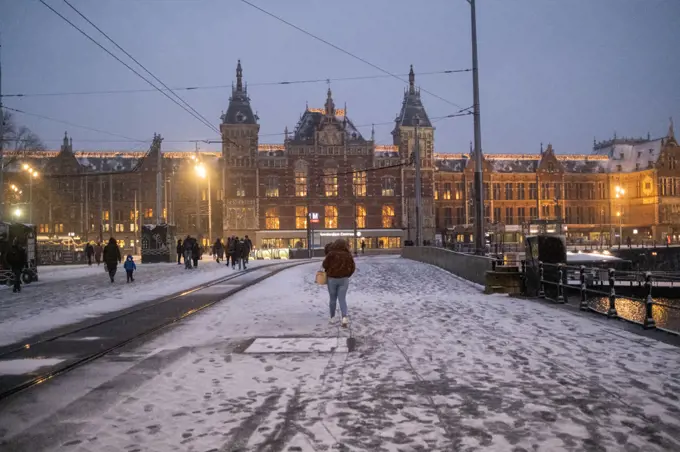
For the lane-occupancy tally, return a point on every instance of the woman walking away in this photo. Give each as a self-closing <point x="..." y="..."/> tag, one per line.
<point x="112" y="257"/>
<point x="195" y="252"/>
<point x="339" y="266"/>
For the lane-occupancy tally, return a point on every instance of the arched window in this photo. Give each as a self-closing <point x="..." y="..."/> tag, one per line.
<point x="388" y="186"/>
<point x="272" y="218"/>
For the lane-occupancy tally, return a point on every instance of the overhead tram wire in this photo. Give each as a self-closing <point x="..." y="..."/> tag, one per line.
<point x="207" y="87"/>
<point x="130" y="140"/>
<point x="201" y="140"/>
<point x="125" y="64"/>
<point x="206" y="121"/>
<point x="346" y="52"/>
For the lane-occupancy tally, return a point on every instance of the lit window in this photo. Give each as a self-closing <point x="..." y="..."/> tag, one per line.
<point x="133" y="227"/>
<point x="447" y="191"/>
<point x="272" y="190"/>
<point x="330" y="182"/>
<point x="300" y="217"/>
<point x="133" y="217"/>
<point x="361" y="216"/>
<point x="359" y="183"/>
<point x="388" y="216"/>
<point x="105" y="215"/>
<point x="240" y="188"/>
<point x="148" y="213"/>
<point x="436" y="191"/>
<point x="331" y="217"/>
<point x="388" y="185"/>
<point x="272" y="220"/>
<point x="204" y="194"/>
<point x="120" y="227"/>
<point x="132" y="243"/>
<point x="301" y="179"/>
<point x="59" y="228"/>
<point x="44" y="229"/>
<point x="106" y="227"/>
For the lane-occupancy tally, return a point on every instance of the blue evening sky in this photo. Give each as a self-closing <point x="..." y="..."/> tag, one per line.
<point x="559" y="71"/>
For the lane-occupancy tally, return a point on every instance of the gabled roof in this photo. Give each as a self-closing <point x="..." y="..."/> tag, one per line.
<point x="314" y="120"/>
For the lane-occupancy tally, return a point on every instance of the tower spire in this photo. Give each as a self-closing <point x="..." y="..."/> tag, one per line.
<point x="239" y="77"/>
<point x="330" y="106"/>
<point x="671" y="132"/>
<point x="411" y="81"/>
<point x="373" y="132"/>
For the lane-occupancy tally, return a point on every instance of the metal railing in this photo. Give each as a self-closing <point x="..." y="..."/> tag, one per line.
<point x="592" y="282"/>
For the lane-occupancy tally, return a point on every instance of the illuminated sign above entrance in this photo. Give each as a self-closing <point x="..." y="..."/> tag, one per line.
<point x="337" y="234"/>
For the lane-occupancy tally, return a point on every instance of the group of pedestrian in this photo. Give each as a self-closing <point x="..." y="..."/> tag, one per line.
<point x="238" y="251"/>
<point x="17" y="260"/>
<point x="190" y="250"/>
<point x="93" y="250"/>
<point x="113" y="257"/>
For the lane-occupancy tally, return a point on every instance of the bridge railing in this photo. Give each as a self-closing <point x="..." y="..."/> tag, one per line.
<point x="651" y="299"/>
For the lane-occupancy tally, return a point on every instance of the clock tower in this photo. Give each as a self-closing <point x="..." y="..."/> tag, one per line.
<point x="239" y="128"/>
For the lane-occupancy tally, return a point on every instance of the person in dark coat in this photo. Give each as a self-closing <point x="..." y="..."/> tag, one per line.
<point x="339" y="266"/>
<point x="227" y="246"/>
<point x="16" y="258"/>
<point x="180" y="251"/>
<point x="233" y="251"/>
<point x="112" y="257"/>
<point x="195" y="252"/>
<point x="89" y="252"/>
<point x="98" y="253"/>
<point x="218" y="250"/>
<point x="188" y="242"/>
<point x="244" y="248"/>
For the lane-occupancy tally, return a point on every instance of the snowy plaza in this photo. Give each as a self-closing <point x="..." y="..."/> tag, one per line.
<point x="438" y="366"/>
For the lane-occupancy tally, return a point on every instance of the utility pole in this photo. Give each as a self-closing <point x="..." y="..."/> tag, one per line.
<point x="209" y="210"/>
<point x="198" y="200"/>
<point x="2" y="145"/>
<point x="159" y="178"/>
<point x="419" y="198"/>
<point x="111" y="205"/>
<point x="480" y="241"/>
<point x="136" y="228"/>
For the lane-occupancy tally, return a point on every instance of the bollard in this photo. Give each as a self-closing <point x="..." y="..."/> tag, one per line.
<point x="649" y="304"/>
<point x="583" y="306"/>
<point x="541" y="290"/>
<point x="560" y="288"/>
<point x="493" y="265"/>
<point x="612" y="295"/>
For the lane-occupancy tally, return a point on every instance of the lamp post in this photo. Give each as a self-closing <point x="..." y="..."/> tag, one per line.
<point x="32" y="174"/>
<point x="619" y="195"/>
<point x="203" y="174"/>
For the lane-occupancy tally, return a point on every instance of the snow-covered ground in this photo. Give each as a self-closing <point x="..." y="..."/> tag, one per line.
<point x="439" y="366"/>
<point x="68" y="294"/>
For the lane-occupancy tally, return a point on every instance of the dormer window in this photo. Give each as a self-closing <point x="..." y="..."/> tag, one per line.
<point x="618" y="168"/>
<point x="621" y="155"/>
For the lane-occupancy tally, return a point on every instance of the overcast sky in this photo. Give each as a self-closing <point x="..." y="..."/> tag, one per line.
<point x="559" y="71"/>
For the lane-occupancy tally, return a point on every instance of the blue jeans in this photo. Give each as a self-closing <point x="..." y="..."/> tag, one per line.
<point x="337" y="290"/>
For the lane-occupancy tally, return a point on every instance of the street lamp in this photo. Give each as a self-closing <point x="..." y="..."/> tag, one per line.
<point x="32" y="174"/>
<point x="202" y="172"/>
<point x="619" y="192"/>
<point x="17" y="213"/>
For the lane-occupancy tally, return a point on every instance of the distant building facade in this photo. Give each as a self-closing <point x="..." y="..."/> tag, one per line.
<point x="328" y="178"/>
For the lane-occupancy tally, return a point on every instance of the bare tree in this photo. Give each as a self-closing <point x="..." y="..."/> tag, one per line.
<point x="19" y="138"/>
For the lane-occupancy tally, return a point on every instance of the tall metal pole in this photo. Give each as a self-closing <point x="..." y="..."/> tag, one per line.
<point x="136" y="228"/>
<point x="209" y="212"/>
<point x="111" y="204"/>
<point x="159" y="184"/>
<point x="2" y="145"/>
<point x="479" y="184"/>
<point x="419" y="199"/>
<point x="30" y="199"/>
<point x="198" y="201"/>
<point x="101" y="209"/>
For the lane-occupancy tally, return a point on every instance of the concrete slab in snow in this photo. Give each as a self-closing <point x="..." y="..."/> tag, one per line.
<point x="297" y="345"/>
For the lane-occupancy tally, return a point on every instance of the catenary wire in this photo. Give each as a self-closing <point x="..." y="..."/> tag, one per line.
<point x="123" y="63"/>
<point x="346" y="52"/>
<point x="206" y="87"/>
<point x="200" y="140"/>
<point x="141" y="65"/>
<point x="132" y="140"/>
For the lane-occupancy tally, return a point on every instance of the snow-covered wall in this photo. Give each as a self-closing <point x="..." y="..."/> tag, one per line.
<point x="467" y="266"/>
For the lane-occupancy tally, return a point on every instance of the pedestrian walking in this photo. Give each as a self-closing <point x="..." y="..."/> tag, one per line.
<point x="98" y="253"/>
<point x="218" y="250"/>
<point x="227" y="246"/>
<point x="195" y="252"/>
<point x="244" y="248"/>
<point x="363" y="246"/>
<point x="187" y="252"/>
<point x="180" y="251"/>
<point x="233" y="252"/>
<point x="130" y="268"/>
<point x="112" y="257"/>
<point x="89" y="252"/>
<point x="16" y="258"/>
<point x="339" y="267"/>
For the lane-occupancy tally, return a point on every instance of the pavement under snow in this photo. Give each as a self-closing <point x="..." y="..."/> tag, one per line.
<point x="438" y="367"/>
<point x="67" y="294"/>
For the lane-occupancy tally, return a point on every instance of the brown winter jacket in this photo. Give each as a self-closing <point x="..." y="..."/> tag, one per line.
<point x="339" y="262"/>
